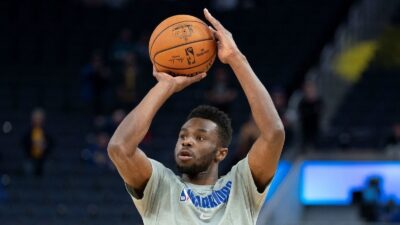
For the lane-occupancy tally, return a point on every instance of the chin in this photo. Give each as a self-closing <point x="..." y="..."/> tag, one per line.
<point x="184" y="164"/>
<point x="185" y="168"/>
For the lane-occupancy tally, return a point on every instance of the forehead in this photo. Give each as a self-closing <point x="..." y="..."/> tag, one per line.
<point x="199" y="124"/>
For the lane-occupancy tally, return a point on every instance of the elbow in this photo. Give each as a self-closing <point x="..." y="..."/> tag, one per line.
<point x="276" y="133"/>
<point x="116" y="150"/>
<point x="113" y="149"/>
<point x="281" y="135"/>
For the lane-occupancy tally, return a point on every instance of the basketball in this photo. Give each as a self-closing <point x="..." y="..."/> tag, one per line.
<point x="182" y="45"/>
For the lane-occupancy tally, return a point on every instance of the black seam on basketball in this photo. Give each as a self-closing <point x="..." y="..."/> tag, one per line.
<point x="180" y="46"/>
<point x="159" y="33"/>
<point x="215" y="54"/>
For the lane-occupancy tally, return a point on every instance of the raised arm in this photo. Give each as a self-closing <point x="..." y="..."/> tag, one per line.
<point x="265" y="152"/>
<point x="131" y="162"/>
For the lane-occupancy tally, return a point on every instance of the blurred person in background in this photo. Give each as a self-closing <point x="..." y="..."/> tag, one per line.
<point x="280" y="100"/>
<point x="95" y="79"/>
<point x="248" y="134"/>
<point x="221" y="94"/>
<point x="116" y="118"/>
<point x="122" y="46"/>
<point x="37" y="143"/>
<point x="230" y="5"/>
<point x="142" y="49"/>
<point x="97" y="140"/>
<point x="96" y="153"/>
<point x="392" y="142"/>
<point x="224" y="5"/>
<point x="394" y="137"/>
<point x="309" y="110"/>
<point x="371" y="195"/>
<point x="391" y="211"/>
<point x="116" y="4"/>
<point x="127" y="81"/>
<point x="3" y="193"/>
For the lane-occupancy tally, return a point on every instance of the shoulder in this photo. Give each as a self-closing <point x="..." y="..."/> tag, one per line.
<point x="161" y="171"/>
<point x="161" y="177"/>
<point x="239" y="170"/>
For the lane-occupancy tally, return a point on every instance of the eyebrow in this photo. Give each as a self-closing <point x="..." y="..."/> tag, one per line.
<point x="197" y="130"/>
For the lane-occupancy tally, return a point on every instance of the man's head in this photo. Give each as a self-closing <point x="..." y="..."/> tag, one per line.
<point x="38" y="117"/>
<point x="203" y="140"/>
<point x="396" y="130"/>
<point x="310" y="90"/>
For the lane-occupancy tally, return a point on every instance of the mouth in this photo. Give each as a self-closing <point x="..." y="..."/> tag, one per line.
<point x="185" y="155"/>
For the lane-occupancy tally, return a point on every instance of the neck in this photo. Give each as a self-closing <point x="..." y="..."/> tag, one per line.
<point x="208" y="177"/>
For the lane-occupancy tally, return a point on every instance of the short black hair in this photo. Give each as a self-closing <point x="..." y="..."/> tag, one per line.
<point x="217" y="116"/>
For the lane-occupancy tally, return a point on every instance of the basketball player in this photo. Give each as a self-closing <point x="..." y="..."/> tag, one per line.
<point x="199" y="196"/>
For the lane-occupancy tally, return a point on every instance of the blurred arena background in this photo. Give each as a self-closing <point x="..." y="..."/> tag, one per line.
<point x="71" y="69"/>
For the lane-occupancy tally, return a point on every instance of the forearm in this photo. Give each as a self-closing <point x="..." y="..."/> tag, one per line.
<point x="262" y="107"/>
<point x="136" y="124"/>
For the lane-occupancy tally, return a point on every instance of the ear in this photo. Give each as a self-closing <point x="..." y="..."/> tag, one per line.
<point x="221" y="154"/>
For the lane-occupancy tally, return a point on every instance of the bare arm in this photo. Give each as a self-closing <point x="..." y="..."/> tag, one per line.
<point x="131" y="162"/>
<point x="265" y="152"/>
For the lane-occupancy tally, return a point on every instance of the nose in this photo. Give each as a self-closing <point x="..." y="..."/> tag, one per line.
<point x="187" y="142"/>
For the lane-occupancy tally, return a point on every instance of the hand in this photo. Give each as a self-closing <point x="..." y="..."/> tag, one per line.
<point x="176" y="83"/>
<point x="227" y="49"/>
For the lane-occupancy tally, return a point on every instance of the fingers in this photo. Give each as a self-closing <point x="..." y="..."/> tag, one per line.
<point x="154" y="71"/>
<point x="159" y="75"/>
<point x="215" y="34"/>
<point x="196" y="78"/>
<point x="212" y="29"/>
<point x="180" y="79"/>
<point x="156" y="74"/>
<point x="212" y="20"/>
<point x="202" y="75"/>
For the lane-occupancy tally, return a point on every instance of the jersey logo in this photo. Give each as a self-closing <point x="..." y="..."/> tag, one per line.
<point x="205" y="216"/>
<point x="216" y="198"/>
<point x="184" y="196"/>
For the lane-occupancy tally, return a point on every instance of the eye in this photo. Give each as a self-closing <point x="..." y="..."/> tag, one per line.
<point x="182" y="136"/>
<point x="200" y="138"/>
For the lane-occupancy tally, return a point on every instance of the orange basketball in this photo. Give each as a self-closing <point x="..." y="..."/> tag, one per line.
<point x="182" y="45"/>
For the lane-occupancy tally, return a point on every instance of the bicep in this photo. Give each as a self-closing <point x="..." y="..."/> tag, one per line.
<point x="135" y="169"/>
<point x="263" y="161"/>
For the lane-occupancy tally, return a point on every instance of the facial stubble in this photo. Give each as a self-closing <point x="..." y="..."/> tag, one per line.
<point x="201" y="165"/>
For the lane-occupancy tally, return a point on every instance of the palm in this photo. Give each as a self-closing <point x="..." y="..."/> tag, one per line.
<point x="179" y="82"/>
